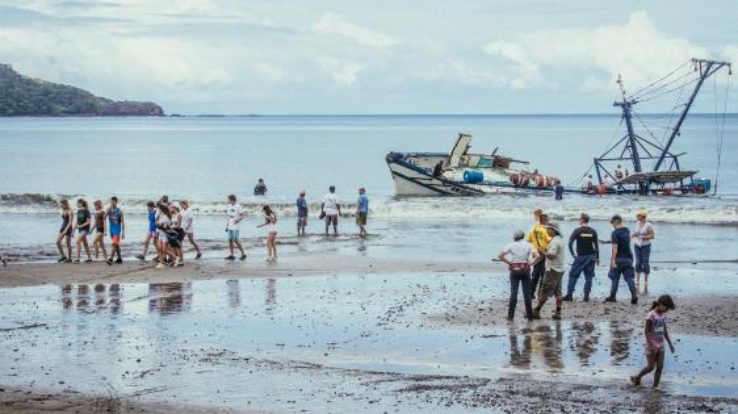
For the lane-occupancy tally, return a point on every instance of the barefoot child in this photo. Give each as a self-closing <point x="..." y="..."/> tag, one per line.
<point x="656" y="333"/>
<point x="83" y="229"/>
<point x="117" y="228"/>
<point x="270" y="222"/>
<point x="188" y="225"/>
<point x="65" y="233"/>
<point x="151" y="234"/>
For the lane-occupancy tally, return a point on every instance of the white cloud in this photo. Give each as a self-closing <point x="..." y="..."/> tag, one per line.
<point x="637" y="49"/>
<point x="335" y="24"/>
<point x="344" y="73"/>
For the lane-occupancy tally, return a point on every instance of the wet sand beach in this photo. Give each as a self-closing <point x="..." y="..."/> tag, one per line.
<point x="332" y="333"/>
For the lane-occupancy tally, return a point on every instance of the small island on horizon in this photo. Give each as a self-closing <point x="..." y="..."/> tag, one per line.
<point x="25" y="96"/>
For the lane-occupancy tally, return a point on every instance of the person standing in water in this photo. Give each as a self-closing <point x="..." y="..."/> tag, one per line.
<point x="65" y="233"/>
<point x="260" y="188"/>
<point x="539" y="239"/>
<point x="99" y="241"/>
<point x="587" y="256"/>
<point x="270" y="222"/>
<point x="117" y="227"/>
<point x="83" y="229"/>
<point x="331" y="210"/>
<point x="656" y="333"/>
<point x="188" y="225"/>
<point x="518" y="256"/>
<point x="302" y="214"/>
<point x="621" y="262"/>
<point x="362" y="211"/>
<point x="642" y="238"/>
<point x="551" y="283"/>
<point x="558" y="191"/>
<point x="152" y="235"/>
<point x="234" y="216"/>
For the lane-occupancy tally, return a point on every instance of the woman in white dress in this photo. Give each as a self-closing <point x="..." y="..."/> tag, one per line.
<point x="270" y="222"/>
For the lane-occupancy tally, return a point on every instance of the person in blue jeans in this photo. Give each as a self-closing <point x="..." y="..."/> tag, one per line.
<point x="642" y="238"/>
<point x="621" y="263"/>
<point x="518" y="256"/>
<point x="587" y="256"/>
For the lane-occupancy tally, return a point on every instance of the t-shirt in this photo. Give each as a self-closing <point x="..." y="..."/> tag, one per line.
<point x="621" y="238"/>
<point x="655" y="339"/>
<point x="518" y="252"/>
<point x="82" y="216"/>
<point x="302" y="207"/>
<point x="586" y="239"/>
<point x="538" y="237"/>
<point x="362" y="204"/>
<point x="555" y="254"/>
<point x="330" y="204"/>
<point x="642" y="230"/>
<point x="152" y="220"/>
<point x="188" y="220"/>
<point x="233" y="211"/>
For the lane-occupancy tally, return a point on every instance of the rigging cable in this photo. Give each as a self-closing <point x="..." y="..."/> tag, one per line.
<point x="643" y="90"/>
<point x="671" y="90"/>
<point x="721" y="130"/>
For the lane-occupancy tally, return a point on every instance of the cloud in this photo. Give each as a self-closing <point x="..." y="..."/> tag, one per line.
<point x="637" y="49"/>
<point x="334" y="24"/>
<point x="344" y="73"/>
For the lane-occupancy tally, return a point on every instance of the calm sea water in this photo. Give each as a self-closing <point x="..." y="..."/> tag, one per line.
<point x="204" y="159"/>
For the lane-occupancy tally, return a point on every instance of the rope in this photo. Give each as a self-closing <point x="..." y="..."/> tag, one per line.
<point x="671" y="90"/>
<point x="643" y="90"/>
<point x="721" y="133"/>
<point x="645" y="96"/>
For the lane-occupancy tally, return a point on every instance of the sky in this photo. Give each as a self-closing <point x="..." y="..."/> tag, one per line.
<point x="366" y="57"/>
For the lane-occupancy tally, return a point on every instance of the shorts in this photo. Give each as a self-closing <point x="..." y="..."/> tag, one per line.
<point x="361" y="218"/>
<point x="551" y="284"/>
<point x="84" y="231"/>
<point x="302" y="221"/>
<point x="162" y="236"/>
<point x="233" y="235"/>
<point x="152" y="233"/>
<point x="115" y="238"/>
<point x="331" y="218"/>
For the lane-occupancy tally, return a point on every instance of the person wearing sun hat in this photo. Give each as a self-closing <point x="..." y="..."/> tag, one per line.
<point x="642" y="238"/>
<point x="551" y="283"/>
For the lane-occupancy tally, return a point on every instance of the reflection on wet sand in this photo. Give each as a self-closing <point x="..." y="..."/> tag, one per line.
<point x="542" y="340"/>
<point x="519" y="358"/>
<point x="584" y="341"/>
<point x="167" y="298"/>
<point x="111" y="301"/>
<point x="234" y="293"/>
<point x="271" y="294"/>
<point x="620" y="337"/>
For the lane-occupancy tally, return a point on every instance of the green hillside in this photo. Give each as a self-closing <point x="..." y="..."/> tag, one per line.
<point x="24" y="96"/>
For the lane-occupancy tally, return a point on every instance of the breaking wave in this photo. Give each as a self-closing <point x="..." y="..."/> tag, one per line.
<point x="495" y="208"/>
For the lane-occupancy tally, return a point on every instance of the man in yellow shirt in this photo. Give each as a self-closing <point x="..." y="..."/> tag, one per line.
<point x="538" y="237"/>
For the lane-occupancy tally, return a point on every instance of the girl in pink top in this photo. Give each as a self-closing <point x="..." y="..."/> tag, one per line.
<point x="656" y="333"/>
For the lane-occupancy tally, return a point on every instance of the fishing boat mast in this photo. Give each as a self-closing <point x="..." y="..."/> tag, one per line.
<point x="635" y="148"/>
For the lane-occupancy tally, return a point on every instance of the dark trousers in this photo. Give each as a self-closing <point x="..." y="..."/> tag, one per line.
<point x="539" y="270"/>
<point x="517" y="278"/>
<point x="643" y="259"/>
<point x="585" y="264"/>
<point x="624" y="268"/>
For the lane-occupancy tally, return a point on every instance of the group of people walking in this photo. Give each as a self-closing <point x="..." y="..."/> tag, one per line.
<point x="169" y="224"/>
<point x="536" y="261"/>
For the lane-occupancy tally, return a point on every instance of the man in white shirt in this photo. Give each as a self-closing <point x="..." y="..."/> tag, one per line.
<point x="551" y="284"/>
<point x="331" y="210"/>
<point x="234" y="215"/>
<point x="188" y="225"/>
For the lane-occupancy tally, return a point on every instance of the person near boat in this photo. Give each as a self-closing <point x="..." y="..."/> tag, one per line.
<point x="642" y="238"/>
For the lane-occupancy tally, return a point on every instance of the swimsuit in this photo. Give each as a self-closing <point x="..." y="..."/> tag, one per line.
<point x="99" y="221"/>
<point x="65" y="222"/>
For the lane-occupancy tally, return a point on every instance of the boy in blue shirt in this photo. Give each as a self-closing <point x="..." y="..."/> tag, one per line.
<point x="117" y="228"/>
<point x="362" y="211"/>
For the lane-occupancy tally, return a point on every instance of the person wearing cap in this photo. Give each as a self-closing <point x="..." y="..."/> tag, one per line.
<point x="539" y="239"/>
<point x="362" y="211"/>
<point x="518" y="257"/>
<point x="587" y="256"/>
<point x="642" y="238"/>
<point x="551" y="283"/>
<point x="621" y="261"/>
<point x="302" y="214"/>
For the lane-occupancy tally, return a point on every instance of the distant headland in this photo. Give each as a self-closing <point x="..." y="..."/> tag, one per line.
<point x="24" y="96"/>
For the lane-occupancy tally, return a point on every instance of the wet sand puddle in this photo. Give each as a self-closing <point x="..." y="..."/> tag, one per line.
<point x="321" y="344"/>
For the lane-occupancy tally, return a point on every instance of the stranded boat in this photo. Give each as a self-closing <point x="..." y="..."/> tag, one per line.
<point x="460" y="173"/>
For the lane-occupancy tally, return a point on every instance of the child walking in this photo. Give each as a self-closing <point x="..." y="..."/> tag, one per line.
<point x="270" y="222"/>
<point x="99" y="242"/>
<point x="656" y="333"/>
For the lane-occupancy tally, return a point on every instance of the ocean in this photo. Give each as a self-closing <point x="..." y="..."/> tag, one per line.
<point x="205" y="158"/>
